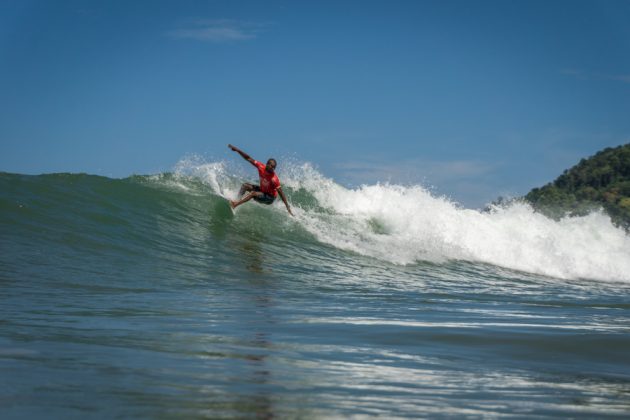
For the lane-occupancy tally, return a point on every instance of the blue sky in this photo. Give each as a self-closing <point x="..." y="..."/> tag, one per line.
<point x="475" y="98"/>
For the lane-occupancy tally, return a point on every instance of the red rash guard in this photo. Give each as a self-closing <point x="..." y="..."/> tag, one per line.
<point x="269" y="183"/>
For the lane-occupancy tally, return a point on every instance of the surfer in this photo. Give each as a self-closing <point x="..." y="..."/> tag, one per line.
<point x="269" y="187"/>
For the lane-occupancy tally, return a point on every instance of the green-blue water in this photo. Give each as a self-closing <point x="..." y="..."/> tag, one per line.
<point x="145" y="298"/>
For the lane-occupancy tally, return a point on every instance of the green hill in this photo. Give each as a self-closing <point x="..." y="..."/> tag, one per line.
<point x="603" y="180"/>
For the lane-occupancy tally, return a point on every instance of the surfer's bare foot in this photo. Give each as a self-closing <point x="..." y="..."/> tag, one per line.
<point x="232" y="204"/>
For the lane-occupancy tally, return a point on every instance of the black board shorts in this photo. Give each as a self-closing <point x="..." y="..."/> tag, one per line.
<point x="265" y="198"/>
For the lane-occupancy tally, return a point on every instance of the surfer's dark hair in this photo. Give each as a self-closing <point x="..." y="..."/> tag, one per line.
<point x="274" y="161"/>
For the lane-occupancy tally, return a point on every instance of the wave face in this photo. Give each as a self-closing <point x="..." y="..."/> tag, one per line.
<point x="407" y="224"/>
<point x="402" y="225"/>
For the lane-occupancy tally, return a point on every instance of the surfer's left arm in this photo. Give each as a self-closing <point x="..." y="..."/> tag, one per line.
<point x="284" y="199"/>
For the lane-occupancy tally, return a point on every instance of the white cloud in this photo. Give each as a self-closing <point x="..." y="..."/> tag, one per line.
<point x="576" y="73"/>
<point x="218" y="31"/>
<point x="620" y="78"/>
<point x="584" y="75"/>
<point x="415" y="169"/>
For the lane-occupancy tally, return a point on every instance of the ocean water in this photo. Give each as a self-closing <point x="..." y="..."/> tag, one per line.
<point x="146" y="297"/>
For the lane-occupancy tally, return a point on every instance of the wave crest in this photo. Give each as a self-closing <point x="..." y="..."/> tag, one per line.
<point x="408" y="224"/>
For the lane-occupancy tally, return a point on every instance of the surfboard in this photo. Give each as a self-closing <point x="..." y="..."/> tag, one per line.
<point x="232" y="209"/>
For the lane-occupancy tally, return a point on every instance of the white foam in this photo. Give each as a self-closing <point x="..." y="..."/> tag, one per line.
<point x="407" y="224"/>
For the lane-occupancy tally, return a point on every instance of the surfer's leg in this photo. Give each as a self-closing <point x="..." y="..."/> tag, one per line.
<point x="245" y="199"/>
<point x="246" y="187"/>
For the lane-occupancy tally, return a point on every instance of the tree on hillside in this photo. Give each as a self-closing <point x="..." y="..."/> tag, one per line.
<point x="601" y="181"/>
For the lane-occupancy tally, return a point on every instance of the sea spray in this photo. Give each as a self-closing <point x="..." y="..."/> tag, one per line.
<point x="224" y="179"/>
<point x="407" y="224"/>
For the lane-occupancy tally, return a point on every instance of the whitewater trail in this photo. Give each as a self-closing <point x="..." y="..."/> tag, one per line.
<point x="407" y="224"/>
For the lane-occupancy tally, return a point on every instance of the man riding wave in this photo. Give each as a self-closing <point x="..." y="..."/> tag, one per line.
<point x="269" y="187"/>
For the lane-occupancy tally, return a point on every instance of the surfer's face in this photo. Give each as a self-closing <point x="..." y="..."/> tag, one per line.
<point x="271" y="166"/>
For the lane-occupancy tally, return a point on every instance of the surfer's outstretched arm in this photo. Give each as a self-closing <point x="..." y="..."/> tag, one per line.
<point x="284" y="199"/>
<point x="243" y="154"/>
